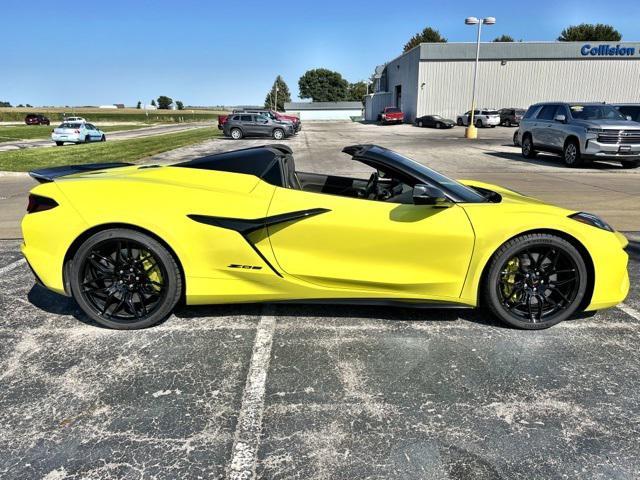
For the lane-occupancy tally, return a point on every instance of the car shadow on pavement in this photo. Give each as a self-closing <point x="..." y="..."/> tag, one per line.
<point x="552" y="161"/>
<point x="53" y="303"/>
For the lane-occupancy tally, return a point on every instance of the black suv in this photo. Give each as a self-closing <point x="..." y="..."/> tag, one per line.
<point x="240" y="125"/>
<point x="511" y="116"/>
<point x="36" y="119"/>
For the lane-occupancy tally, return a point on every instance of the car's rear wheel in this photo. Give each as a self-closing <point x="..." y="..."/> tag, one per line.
<point x="571" y="154"/>
<point x="103" y="138"/>
<point x="459" y="122"/>
<point x="125" y="279"/>
<point x="278" y="134"/>
<point x="420" y="123"/>
<point x="630" y="164"/>
<point x="236" y="133"/>
<point x="527" y="147"/>
<point x="87" y="139"/>
<point x="535" y="281"/>
<point x="507" y="122"/>
<point x="59" y="144"/>
<point x="478" y="123"/>
<point x="515" y="138"/>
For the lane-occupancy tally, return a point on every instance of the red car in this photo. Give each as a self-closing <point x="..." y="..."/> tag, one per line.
<point x="222" y="119"/>
<point x="392" y="115"/>
<point x="36" y="119"/>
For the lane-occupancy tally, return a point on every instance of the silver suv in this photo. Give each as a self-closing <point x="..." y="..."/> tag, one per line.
<point x="580" y="132"/>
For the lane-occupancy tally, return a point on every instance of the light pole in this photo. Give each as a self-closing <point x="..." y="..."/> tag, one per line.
<point x="470" y="131"/>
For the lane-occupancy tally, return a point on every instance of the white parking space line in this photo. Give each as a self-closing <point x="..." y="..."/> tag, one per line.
<point x="12" y="266"/>
<point x="249" y="426"/>
<point x="632" y="312"/>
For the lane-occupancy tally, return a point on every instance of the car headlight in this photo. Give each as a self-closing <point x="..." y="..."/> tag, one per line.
<point x="591" y="219"/>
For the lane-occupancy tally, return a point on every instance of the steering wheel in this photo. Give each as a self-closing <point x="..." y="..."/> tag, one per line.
<point x="371" y="190"/>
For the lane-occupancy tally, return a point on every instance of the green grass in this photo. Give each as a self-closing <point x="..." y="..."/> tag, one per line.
<point x="10" y="133"/>
<point x="117" y="151"/>
<point x="96" y="115"/>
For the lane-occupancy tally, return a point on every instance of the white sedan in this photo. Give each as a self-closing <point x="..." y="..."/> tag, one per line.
<point x="481" y="118"/>
<point x="77" y="132"/>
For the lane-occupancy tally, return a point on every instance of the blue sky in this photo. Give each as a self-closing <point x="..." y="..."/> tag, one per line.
<point x="211" y="52"/>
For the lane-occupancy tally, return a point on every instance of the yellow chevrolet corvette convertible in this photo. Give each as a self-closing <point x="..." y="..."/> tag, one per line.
<point x="129" y="242"/>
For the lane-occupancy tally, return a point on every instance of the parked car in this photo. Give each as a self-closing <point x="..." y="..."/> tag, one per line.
<point x="254" y="125"/>
<point x="77" y="132"/>
<point x="435" y="121"/>
<point x="391" y="115"/>
<point x="74" y="119"/>
<point x="629" y="110"/>
<point x="36" y="119"/>
<point x="579" y="132"/>
<point x="481" y="118"/>
<point x="510" y="117"/>
<point x="274" y="115"/>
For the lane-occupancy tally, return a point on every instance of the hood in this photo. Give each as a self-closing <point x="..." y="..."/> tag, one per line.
<point x="608" y="124"/>
<point x="508" y="196"/>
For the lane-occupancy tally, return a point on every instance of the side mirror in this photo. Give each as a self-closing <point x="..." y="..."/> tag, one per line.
<point x="427" y="195"/>
<point x="629" y="117"/>
<point x="560" y="118"/>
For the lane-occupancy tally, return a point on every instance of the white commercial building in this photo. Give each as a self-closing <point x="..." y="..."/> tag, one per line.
<point x="324" y="110"/>
<point x="437" y="78"/>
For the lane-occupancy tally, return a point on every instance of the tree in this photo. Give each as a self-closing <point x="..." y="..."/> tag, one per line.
<point x="283" y="95"/>
<point x="428" y="35"/>
<point x="589" y="32"/>
<point x="139" y="105"/>
<point x="504" y="38"/>
<point x="179" y="105"/>
<point x="5" y="104"/>
<point x="153" y="103"/>
<point x="322" y="85"/>
<point x="357" y="91"/>
<point x="164" y="102"/>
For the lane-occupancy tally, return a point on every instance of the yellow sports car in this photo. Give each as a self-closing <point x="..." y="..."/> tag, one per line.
<point x="129" y="242"/>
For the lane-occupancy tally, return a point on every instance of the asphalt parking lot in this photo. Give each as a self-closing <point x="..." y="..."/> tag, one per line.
<point x="319" y="392"/>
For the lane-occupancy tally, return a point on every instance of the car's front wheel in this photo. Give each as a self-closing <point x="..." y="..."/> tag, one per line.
<point x="459" y="122"/>
<point x="420" y="123"/>
<point x="630" y="163"/>
<point x="125" y="279"/>
<point x="278" y="134"/>
<point x="571" y="154"/>
<point x="438" y="125"/>
<point x="527" y="147"/>
<point x="59" y="144"/>
<point x="535" y="281"/>
<point x="103" y="138"/>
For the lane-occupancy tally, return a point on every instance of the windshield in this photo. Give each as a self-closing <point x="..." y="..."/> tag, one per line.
<point x="595" y="112"/>
<point x="464" y="193"/>
<point x="70" y="125"/>
<point x="436" y="117"/>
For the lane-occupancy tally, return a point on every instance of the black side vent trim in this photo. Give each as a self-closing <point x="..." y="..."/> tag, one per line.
<point x="246" y="226"/>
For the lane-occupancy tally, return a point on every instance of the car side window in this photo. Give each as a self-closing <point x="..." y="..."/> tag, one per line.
<point x="245" y="118"/>
<point x="547" y="112"/>
<point x="262" y="119"/>
<point x="532" y="111"/>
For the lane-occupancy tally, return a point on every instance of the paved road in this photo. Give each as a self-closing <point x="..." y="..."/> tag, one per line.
<point x="604" y="189"/>
<point x="315" y="392"/>
<point x="123" y="135"/>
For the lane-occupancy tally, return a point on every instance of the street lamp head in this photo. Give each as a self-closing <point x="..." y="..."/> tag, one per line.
<point x="489" y="21"/>
<point x="471" y="21"/>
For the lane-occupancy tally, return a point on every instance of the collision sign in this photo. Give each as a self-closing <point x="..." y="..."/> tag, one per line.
<point x="606" y="51"/>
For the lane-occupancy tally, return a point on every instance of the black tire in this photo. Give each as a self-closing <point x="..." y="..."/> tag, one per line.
<point x="531" y="257"/>
<point x="420" y="123"/>
<point x="137" y="276"/>
<point x="629" y="163"/>
<point x="571" y="154"/>
<point x="459" y="121"/>
<point x="87" y="139"/>
<point x="438" y="125"/>
<point x="278" y="134"/>
<point x="507" y="122"/>
<point x="527" y="147"/>
<point x="236" y="133"/>
<point x="59" y="144"/>
<point x="515" y="138"/>
<point x="478" y="123"/>
<point x="103" y="138"/>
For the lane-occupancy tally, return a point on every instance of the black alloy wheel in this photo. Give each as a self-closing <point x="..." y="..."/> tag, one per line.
<point x="536" y="281"/>
<point x="124" y="279"/>
<point x="438" y="125"/>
